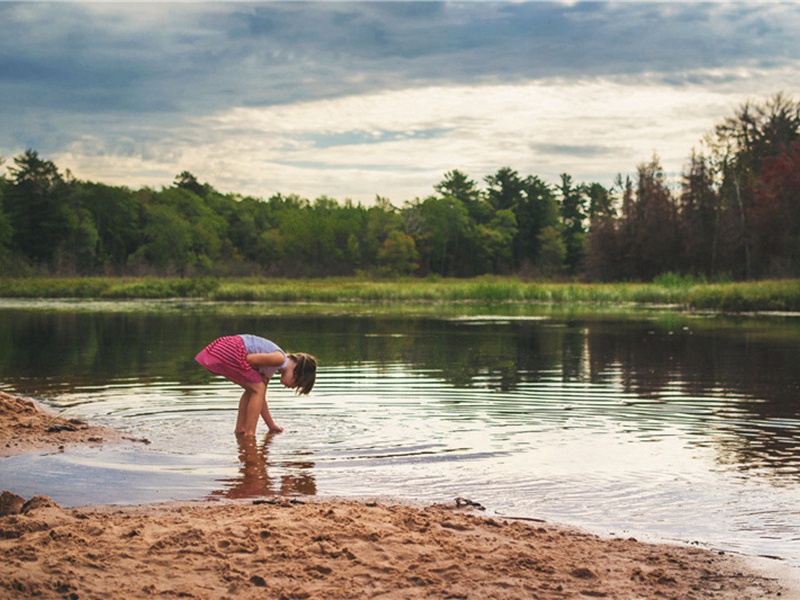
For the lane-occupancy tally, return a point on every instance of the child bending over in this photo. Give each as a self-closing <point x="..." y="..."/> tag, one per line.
<point x="250" y="362"/>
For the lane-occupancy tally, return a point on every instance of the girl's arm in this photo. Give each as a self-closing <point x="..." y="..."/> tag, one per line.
<point x="272" y="359"/>
<point x="273" y="426"/>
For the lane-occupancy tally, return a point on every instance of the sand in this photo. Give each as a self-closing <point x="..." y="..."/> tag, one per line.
<point x="27" y="426"/>
<point x="337" y="548"/>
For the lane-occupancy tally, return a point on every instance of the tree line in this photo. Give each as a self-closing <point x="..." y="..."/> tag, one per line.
<point x="735" y="213"/>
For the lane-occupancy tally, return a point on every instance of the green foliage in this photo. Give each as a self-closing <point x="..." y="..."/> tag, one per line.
<point x="6" y="230"/>
<point x="552" y="251"/>
<point x="398" y="254"/>
<point x="534" y="208"/>
<point x="736" y="214"/>
<point x="573" y="206"/>
<point x="36" y="287"/>
<point x="116" y="218"/>
<point x="37" y="205"/>
<point x="163" y="288"/>
<point x="441" y="237"/>
<point x="670" y="290"/>
<point x="744" y="149"/>
<point x="748" y="296"/>
<point x="676" y="280"/>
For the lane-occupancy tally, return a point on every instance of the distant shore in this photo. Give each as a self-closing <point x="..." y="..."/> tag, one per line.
<point x="316" y="548"/>
<point x="682" y="293"/>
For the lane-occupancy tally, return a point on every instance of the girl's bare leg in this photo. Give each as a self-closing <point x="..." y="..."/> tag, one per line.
<point x="250" y="404"/>
<point x="254" y="406"/>
<point x="241" y="417"/>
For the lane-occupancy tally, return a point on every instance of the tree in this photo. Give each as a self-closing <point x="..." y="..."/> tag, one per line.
<point x="398" y="254"/>
<point x="167" y="240"/>
<point x="604" y="259"/>
<point x="6" y="231"/>
<point x="757" y="132"/>
<point x="775" y="217"/>
<point x="486" y="241"/>
<point x="381" y="220"/>
<point x="440" y="229"/>
<point x="537" y="210"/>
<point x="187" y="181"/>
<point x="601" y="202"/>
<point x="491" y="244"/>
<point x="533" y="205"/>
<point x="35" y="207"/>
<point x="180" y="232"/>
<point x="115" y="215"/>
<point x="505" y="189"/>
<point x="656" y="238"/>
<point x="740" y="145"/>
<point x="572" y="214"/>
<point x="247" y="238"/>
<point x="603" y="255"/>
<point x="78" y="252"/>
<point x="553" y="251"/>
<point x="457" y="185"/>
<point x="699" y="217"/>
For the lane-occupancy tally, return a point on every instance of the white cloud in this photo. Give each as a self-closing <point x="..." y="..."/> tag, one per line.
<point x="358" y="99"/>
<point x="399" y="143"/>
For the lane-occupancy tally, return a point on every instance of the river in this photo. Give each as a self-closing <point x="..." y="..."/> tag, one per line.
<point x="654" y="424"/>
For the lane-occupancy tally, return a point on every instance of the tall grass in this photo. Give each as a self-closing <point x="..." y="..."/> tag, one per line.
<point x="106" y="287"/>
<point x="781" y="296"/>
<point x="682" y="292"/>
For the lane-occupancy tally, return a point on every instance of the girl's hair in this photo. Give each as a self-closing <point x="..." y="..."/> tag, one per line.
<point x="305" y="371"/>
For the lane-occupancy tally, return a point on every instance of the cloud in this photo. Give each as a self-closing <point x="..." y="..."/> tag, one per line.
<point x="575" y="150"/>
<point x="400" y="143"/>
<point x="356" y="99"/>
<point x="194" y="58"/>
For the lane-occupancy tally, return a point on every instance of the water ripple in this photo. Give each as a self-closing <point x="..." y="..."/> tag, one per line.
<point x="595" y="452"/>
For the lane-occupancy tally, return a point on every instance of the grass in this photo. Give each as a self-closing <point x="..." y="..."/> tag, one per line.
<point x="777" y="295"/>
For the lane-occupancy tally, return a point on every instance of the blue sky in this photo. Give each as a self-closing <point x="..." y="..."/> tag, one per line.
<point x="354" y="100"/>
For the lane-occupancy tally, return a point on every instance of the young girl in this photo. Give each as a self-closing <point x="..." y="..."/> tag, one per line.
<point x="251" y="361"/>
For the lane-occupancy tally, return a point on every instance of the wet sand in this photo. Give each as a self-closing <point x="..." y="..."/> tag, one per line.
<point x="28" y="426"/>
<point x="281" y="548"/>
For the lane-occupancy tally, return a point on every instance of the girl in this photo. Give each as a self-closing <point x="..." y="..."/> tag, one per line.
<point x="251" y="361"/>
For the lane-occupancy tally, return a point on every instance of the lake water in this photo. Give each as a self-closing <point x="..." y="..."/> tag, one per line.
<point x="656" y="425"/>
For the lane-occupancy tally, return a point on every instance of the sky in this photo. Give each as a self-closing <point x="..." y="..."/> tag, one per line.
<point x="354" y="100"/>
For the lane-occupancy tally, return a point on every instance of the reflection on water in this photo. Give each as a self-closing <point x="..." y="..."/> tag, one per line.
<point x="682" y="427"/>
<point x="253" y="479"/>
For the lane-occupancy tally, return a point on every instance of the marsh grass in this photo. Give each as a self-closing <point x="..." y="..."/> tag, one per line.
<point x="779" y="295"/>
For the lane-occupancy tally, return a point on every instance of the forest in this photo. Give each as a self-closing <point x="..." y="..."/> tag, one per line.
<point x="734" y="214"/>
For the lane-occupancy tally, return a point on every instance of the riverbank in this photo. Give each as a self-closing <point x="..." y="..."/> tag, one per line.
<point x="778" y="295"/>
<point x="343" y="549"/>
<point x="27" y="426"/>
<point x="315" y="548"/>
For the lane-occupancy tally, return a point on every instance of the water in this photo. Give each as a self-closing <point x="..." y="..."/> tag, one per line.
<point x="667" y="427"/>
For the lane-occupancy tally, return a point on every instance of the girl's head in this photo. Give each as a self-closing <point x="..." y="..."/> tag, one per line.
<point x="300" y="373"/>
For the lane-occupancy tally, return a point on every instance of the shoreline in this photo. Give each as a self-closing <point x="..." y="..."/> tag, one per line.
<point x="341" y="548"/>
<point x="28" y="426"/>
<point x="331" y="547"/>
<point x="776" y="295"/>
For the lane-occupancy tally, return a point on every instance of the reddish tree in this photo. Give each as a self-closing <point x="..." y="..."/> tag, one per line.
<point x="775" y="215"/>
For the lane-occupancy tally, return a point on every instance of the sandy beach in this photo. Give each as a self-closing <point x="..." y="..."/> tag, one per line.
<point x="315" y="548"/>
<point x="28" y="426"/>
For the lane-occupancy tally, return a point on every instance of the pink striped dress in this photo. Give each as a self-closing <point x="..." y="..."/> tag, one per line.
<point x="227" y="356"/>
